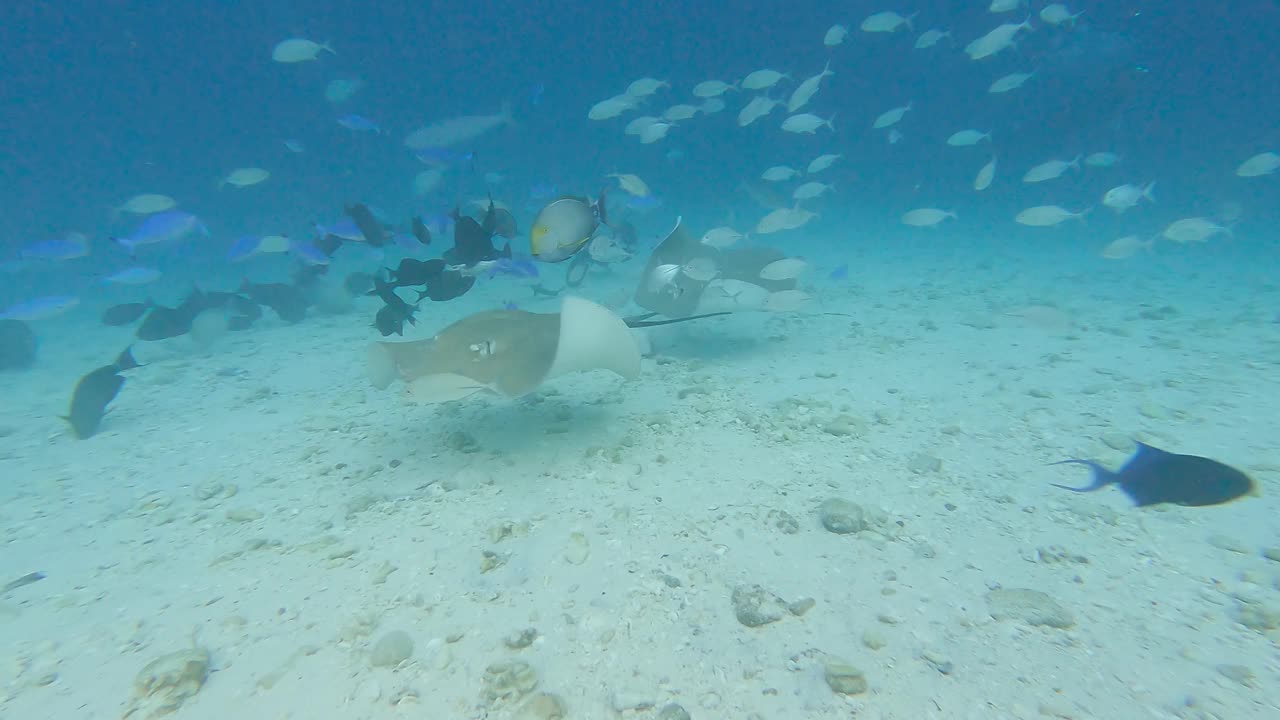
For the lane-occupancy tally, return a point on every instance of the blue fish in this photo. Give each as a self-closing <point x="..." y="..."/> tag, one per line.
<point x="515" y="267"/>
<point x="1152" y="476"/>
<point x="648" y="202"/>
<point x="134" y="276"/>
<point x="308" y="253"/>
<point x="245" y="247"/>
<point x="73" y="246"/>
<point x="543" y="191"/>
<point x="536" y="92"/>
<point x="840" y="273"/>
<point x="441" y="157"/>
<point x="359" y="123"/>
<point x="40" y="308"/>
<point x="162" y="227"/>
<point x="344" y="228"/>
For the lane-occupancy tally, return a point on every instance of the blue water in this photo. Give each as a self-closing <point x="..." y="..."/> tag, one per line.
<point x="98" y="104"/>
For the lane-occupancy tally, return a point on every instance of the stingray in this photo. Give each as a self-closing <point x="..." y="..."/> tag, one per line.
<point x="680" y="295"/>
<point x="508" y="352"/>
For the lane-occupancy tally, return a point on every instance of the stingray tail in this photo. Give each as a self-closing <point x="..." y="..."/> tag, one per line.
<point x="1102" y="477"/>
<point x="643" y="321"/>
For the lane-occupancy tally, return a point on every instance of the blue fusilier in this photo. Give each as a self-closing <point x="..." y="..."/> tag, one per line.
<point x="1152" y="476"/>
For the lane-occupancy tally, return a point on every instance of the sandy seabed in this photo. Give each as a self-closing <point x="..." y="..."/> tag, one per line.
<point x="788" y="516"/>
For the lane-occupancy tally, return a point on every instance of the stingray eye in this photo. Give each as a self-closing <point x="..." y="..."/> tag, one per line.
<point x="483" y="349"/>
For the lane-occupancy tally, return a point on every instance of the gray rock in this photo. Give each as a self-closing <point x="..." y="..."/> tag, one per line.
<point x="1029" y="606"/>
<point x="506" y="683"/>
<point x="844" y="678"/>
<point x="784" y="521"/>
<point x="754" y="606"/>
<point x="842" y="517"/>
<point x="673" y="711"/>
<point x="391" y="649"/>
<point x="520" y="639"/>
<point x="542" y="706"/>
<point x="922" y="463"/>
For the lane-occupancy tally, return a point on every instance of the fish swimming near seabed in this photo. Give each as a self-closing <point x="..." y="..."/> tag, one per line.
<point x="395" y="312"/>
<point x="473" y="240"/>
<point x="370" y="228"/>
<point x="94" y="392"/>
<point x="125" y="313"/>
<point x="1152" y="476"/>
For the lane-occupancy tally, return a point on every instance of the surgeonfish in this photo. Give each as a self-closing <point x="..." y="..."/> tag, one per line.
<point x="564" y="226"/>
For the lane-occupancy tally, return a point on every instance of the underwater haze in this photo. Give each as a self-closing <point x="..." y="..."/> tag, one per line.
<point x="640" y="360"/>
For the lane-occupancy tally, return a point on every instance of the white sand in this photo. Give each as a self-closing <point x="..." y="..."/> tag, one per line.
<point x="678" y="499"/>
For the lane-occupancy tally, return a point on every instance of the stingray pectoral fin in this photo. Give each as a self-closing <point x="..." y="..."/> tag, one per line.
<point x="387" y="361"/>
<point x="593" y="337"/>
<point x="444" y="387"/>
<point x="380" y="366"/>
<point x="1102" y="477"/>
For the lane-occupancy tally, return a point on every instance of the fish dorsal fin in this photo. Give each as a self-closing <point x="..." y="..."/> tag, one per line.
<point x="1144" y="456"/>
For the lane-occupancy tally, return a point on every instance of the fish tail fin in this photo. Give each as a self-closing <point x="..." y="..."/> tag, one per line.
<point x="120" y="243"/>
<point x="328" y="47"/>
<point x="831" y="122"/>
<point x="600" y="206"/>
<point x="126" y="361"/>
<point x="1102" y="477"/>
<point x="505" y="113"/>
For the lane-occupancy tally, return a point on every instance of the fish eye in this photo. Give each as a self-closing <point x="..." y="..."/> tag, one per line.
<point x="483" y="349"/>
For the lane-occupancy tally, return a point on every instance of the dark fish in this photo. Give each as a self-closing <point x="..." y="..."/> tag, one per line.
<point x="395" y="313"/>
<point x="94" y="392"/>
<point x="420" y="230"/>
<point x="416" y="272"/>
<point x="163" y="323"/>
<point x="500" y="222"/>
<point x="373" y="232"/>
<point x="199" y="300"/>
<point x="288" y="301"/>
<point x="447" y="286"/>
<point x="390" y="320"/>
<point x="472" y="241"/>
<point x="242" y="313"/>
<point x="125" y="313"/>
<point x="1153" y="476"/>
<point x="327" y="244"/>
<point x="358" y="283"/>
